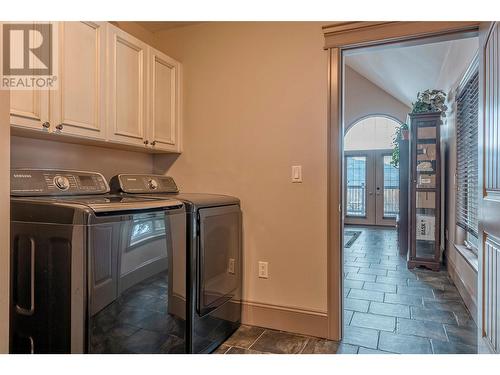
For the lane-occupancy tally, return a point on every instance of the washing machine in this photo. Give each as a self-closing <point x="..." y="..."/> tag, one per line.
<point x="214" y="257"/>
<point x="94" y="272"/>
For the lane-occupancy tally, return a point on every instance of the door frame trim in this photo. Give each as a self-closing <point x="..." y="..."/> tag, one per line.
<point x="339" y="38"/>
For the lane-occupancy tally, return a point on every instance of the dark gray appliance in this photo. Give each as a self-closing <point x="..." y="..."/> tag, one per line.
<point x="214" y="257"/>
<point x="93" y="272"/>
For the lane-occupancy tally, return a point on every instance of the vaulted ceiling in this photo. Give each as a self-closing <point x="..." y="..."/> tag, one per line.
<point x="405" y="71"/>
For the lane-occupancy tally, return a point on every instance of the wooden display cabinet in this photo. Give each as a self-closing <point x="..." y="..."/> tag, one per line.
<point x="425" y="191"/>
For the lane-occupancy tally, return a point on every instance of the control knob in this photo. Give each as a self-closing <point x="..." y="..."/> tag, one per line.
<point x="61" y="182"/>
<point x="153" y="184"/>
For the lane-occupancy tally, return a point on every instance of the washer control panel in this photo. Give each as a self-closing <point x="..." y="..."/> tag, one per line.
<point x="140" y="183"/>
<point x="40" y="182"/>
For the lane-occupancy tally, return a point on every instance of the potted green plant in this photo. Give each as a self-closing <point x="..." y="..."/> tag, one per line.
<point x="401" y="133"/>
<point x="430" y="101"/>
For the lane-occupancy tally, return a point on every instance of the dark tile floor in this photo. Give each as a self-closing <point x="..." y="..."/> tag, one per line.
<point x="388" y="309"/>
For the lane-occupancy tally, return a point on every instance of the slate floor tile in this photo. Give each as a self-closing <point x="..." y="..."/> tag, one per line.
<point x="388" y="288"/>
<point x="279" y="343"/>
<point x="356" y="284"/>
<point x="221" y="349"/>
<point x="245" y="336"/>
<point x="348" y="269"/>
<point x="412" y="291"/>
<point x="402" y="274"/>
<point x="373" y="271"/>
<point x="348" y="316"/>
<point x="432" y="315"/>
<point x="390" y="309"/>
<point x="347" y="349"/>
<point x="392" y="280"/>
<point x="453" y="306"/>
<point x="356" y="304"/>
<point x="236" y="350"/>
<point x="379" y="322"/>
<point x="371" y="351"/>
<point x="404" y="299"/>
<point x="361" y="337"/>
<point x="366" y="295"/>
<point x="320" y="346"/>
<point x="439" y="284"/>
<point x="441" y="295"/>
<point x="404" y="344"/>
<point x="383" y="266"/>
<point x="467" y="335"/>
<point x="360" y="276"/>
<point x="443" y="347"/>
<point x="431" y="330"/>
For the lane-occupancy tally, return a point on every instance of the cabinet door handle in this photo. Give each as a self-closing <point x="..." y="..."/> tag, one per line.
<point x="46" y="125"/>
<point x="60" y="127"/>
<point x="153" y="143"/>
<point x="146" y="142"/>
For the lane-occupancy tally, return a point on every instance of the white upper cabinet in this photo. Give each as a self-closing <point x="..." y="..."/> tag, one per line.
<point x="127" y="83"/>
<point x="78" y="106"/>
<point x="164" y="130"/>
<point x="112" y="89"/>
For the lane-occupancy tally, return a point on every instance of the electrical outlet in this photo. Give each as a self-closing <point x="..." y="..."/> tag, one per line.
<point x="230" y="268"/>
<point x="263" y="270"/>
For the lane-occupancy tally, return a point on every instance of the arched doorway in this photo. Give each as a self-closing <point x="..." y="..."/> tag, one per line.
<point x="371" y="181"/>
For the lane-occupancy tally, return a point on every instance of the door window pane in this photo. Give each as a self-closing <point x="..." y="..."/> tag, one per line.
<point x="356" y="185"/>
<point x="391" y="188"/>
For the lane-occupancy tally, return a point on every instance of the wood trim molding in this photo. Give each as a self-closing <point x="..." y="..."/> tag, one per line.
<point x="305" y="322"/>
<point x="353" y="34"/>
<point x="335" y="173"/>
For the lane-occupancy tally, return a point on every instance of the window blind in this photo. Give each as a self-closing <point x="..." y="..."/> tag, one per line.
<point x="467" y="154"/>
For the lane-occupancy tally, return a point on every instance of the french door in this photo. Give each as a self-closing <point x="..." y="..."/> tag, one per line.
<point x="371" y="188"/>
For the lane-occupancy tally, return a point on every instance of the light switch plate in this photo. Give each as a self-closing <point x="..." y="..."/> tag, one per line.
<point x="296" y="173"/>
<point x="263" y="270"/>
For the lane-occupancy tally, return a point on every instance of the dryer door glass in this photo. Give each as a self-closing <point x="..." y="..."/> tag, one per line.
<point x="220" y="256"/>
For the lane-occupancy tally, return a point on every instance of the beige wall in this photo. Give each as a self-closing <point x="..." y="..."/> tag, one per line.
<point x="363" y="98"/>
<point x="4" y="220"/>
<point x="37" y="153"/>
<point x="255" y="103"/>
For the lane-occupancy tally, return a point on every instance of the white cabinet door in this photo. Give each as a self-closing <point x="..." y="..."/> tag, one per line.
<point x="164" y="130"/>
<point x="78" y="105"/>
<point x="29" y="108"/>
<point x="127" y="79"/>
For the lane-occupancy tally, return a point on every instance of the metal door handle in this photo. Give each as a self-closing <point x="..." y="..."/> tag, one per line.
<point x="60" y="127"/>
<point x="31" y="310"/>
<point x="370" y="193"/>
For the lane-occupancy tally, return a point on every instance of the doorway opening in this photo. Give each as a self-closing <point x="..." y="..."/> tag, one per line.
<point x="387" y="307"/>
